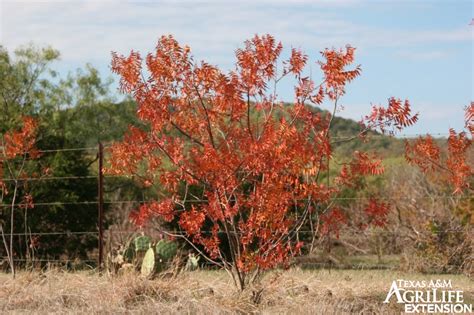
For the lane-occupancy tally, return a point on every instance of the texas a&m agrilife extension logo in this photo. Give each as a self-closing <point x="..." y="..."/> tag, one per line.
<point x="428" y="296"/>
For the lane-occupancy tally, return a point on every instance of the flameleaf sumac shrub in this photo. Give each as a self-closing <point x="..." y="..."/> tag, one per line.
<point x="443" y="240"/>
<point x="17" y="149"/>
<point x="258" y="163"/>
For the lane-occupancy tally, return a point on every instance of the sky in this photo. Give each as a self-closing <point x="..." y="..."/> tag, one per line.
<point x="417" y="50"/>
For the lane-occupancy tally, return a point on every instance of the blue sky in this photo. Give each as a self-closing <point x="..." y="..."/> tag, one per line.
<point x="420" y="50"/>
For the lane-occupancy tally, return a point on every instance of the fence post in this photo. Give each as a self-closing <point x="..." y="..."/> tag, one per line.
<point x="100" y="189"/>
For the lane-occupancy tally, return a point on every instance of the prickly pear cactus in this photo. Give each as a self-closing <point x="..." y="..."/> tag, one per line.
<point x="142" y="243"/>
<point x="192" y="263"/>
<point x="129" y="254"/>
<point x="166" y="250"/>
<point x="148" y="264"/>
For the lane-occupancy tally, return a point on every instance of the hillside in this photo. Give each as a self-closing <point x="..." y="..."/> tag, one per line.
<point x="108" y="122"/>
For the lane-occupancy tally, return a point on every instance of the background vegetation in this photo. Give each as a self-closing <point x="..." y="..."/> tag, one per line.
<point x="429" y="229"/>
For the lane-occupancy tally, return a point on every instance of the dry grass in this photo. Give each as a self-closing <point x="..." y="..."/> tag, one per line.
<point x="208" y="292"/>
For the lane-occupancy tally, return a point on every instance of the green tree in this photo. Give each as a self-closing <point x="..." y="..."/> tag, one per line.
<point x="73" y="112"/>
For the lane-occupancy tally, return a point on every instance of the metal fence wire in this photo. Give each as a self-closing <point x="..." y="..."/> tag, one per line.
<point x="100" y="202"/>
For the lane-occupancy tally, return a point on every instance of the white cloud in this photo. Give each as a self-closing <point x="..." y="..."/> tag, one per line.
<point x="427" y="55"/>
<point x="89" y="30"/>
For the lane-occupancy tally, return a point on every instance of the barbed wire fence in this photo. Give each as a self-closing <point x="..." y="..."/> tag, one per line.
<point x="100" y="202"/>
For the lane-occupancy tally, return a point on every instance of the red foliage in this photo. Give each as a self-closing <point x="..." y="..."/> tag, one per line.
<point x="394" y="118"/>
<point x="332" y="222"/>
<point x="130" y="66"/>
<point x="335" y="74"/>
<point x="470" y="118"/>
<point x="426" y="154"/>
<point x="19" y="143"/>
<point x="165" y="209"/>
<point x="461" y="172"/>
<point x="361" y="165"/>
<point x="297" y="61"/>
<point x="192" y="221"/>
<point x="257" y="160"/>
<point x="27" y="201"/>
<point x="16" y="146"/>
<point x="377" y="212"/>
<point x="22" y="141"/>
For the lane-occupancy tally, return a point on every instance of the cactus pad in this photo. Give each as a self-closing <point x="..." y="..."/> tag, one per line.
<point x="129" y="254"/>
<point x="192" y="263"/>
<point x="148" y="264"/>
<point x="142" y="243"/>
<point x="166" y="250"/>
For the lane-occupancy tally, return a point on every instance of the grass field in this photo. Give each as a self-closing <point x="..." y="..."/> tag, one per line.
<point x="209" y="292"/>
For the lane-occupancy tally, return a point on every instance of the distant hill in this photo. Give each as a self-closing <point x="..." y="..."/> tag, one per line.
<point x="108" y="122"/>
<point x="344" y="128"/>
